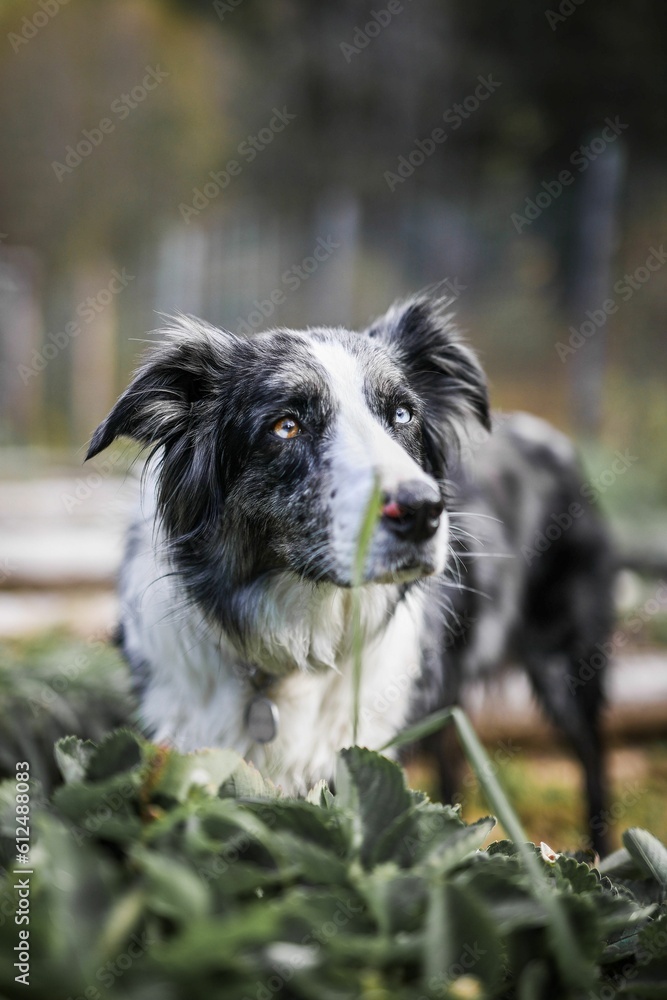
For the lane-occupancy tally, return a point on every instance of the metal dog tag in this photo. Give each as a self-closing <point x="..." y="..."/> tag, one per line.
<point x="262" y="719"/>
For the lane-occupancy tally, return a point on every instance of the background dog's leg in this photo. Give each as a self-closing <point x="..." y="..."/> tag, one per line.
<point x="568" y="615"/>
<point x="444" y="747"/>
<point x="576" y="712"/>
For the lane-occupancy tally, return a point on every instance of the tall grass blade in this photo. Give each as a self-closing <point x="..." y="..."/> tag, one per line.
<point x="573" y="967"/>
<point x="419" y="730"/>
<point x="572" y="964"/>
<point x="368" y="524"/>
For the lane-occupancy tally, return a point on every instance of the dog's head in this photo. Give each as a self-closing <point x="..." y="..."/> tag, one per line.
<point x="269" y="448"/>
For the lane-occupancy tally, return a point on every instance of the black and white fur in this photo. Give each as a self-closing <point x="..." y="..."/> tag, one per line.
<point x="242" y="560"/>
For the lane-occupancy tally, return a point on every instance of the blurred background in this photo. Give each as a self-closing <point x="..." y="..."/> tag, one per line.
<point x="276" y="162"/>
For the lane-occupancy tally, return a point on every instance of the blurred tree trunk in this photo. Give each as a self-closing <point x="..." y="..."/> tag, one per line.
<point x="21" y="324"/>
<point x="93" y="358"/>
<point x="591" y="285"/>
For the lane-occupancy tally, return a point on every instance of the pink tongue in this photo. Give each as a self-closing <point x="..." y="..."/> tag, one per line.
<point x="393" y="509"/>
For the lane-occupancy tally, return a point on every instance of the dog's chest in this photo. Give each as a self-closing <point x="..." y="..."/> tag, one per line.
<point x="200" y="697"/>
<point x="316" y="710"/>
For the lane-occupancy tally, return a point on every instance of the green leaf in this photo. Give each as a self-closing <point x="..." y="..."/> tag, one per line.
<point x="72" y="757"/>
<point x="398" y="843"/>
<point x="577" y="874"/>
<point x="218" y="943"/>
<point x="122" y="919"/>
<point x="430" y="833"/>
<point x="71" y="892"/>
<point x="120" y="751"/>
<point x="643" y="891"/>
<point x="503" y="848"/>
<point x="505" y="890"/>
<point x="653" y="941"/>
<point x="396" y="898"/>
<point x="172" y="888"/>
<point x="222" y="818"/>
<point x="583" y="919"/>
<point x="648" y="852"/>
<point x="377" y="794"/>
<point x="374" y="952"/>
<point x="310" y="861"/>
<point x="460" y="939"/>
<point x="320" y="795"/>
<point x="619" y="863"/>
<point x="246" y="782"/>
<point x="207" y="770"/>
<point x="624" y="941"/>
<point x="299" y="817"/>
<point x="102" y="809"/>
<point x="446" y="853"/>
<point x="315" y="908"/>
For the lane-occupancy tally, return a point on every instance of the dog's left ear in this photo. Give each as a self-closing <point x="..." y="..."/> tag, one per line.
<point x="442" y="370"/>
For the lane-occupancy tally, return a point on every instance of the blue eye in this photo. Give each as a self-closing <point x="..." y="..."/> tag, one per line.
<point x="402" y="415"/>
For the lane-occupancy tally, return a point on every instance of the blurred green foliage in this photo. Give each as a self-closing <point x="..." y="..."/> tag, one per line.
<point x="51" y="685"/>
<point x="190" y="876"/>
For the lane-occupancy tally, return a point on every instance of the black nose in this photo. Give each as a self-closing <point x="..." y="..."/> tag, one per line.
<point x="413" y="512"/>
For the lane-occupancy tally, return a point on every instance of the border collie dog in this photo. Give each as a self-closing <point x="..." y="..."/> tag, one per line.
<point x="237" y="578"/>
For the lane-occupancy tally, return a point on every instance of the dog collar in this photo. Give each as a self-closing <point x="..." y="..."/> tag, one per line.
<point x="261" y="714"/>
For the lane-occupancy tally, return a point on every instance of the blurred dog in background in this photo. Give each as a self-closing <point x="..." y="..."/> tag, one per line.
<point x="532" y="585"/>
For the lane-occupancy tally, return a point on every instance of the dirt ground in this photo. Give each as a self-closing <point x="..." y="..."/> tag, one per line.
<point x="545" y="787"/>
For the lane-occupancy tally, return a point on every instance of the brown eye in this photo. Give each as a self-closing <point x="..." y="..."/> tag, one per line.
<point x="286" y="427"/>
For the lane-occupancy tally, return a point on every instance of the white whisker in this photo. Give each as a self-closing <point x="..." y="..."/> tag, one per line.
<point x="487" y="555"/>
<point x="473" y="513"/>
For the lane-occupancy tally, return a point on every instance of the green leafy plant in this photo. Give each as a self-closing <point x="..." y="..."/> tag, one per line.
<point x="160" y="874"/>
<point x="53" y="684"/>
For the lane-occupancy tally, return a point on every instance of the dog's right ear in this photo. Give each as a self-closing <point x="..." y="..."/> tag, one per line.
<point x="158" y="403"/>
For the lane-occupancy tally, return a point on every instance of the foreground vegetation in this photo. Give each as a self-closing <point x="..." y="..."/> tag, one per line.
<point x="54" y="684"/>
<point x="157" y="874"/>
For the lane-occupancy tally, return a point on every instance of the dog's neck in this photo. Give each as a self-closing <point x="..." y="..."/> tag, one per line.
<point x="298" y="625"/>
